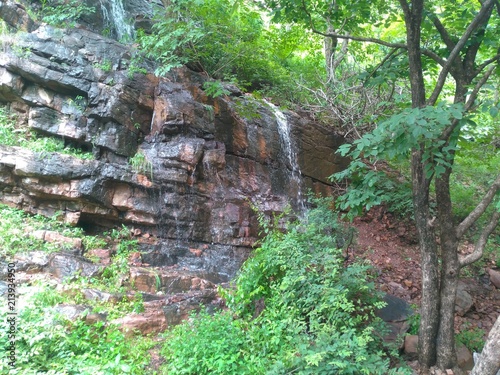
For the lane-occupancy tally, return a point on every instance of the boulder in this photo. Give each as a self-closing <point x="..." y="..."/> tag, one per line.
<point x="463" y="301"/>
<point x="464" y="358"/>
<point x="494" y="277"/>
<point x="72" y="312"/>
<point x="411" y="346"/>
<point x="63" y="265"/>
<point x="144" y="323"/>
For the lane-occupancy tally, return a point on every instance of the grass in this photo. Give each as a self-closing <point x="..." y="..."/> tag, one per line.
<point x="16" y="225"/>
<point x="50" y="344"/>
<point x="12" y="135"/>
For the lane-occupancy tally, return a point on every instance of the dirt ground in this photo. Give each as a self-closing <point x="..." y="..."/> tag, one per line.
<point x="391" y="246"/>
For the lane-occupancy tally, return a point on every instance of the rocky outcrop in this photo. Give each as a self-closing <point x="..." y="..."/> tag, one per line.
<point x="168" y="160"/>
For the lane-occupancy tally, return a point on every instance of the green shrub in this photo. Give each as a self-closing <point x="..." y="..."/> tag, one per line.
<point x="16" y="225"/>
<point x="64" y="13"/>
<point x="230" y="41"/>
<point x="472" y="338"/>
<point x="47" y="343"/>
<point x="142" y="165"/>
<point x="294" y="308"/>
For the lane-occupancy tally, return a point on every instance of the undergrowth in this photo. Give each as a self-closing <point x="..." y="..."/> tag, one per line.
<point x="50" y="344"/>
<point x="294" y="308"/>
<point x="11" y="135"/>
<point x="17" y="227"/>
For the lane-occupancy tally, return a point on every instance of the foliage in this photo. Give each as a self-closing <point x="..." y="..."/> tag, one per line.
<point x="61" y="13"/>
<point x="475" y="166"/>
<point x="295" y="307"/>
<point x="472" y="338"/>
<point x="105" y="65"/>
<point x="392" y="140"/>
<point x="228" y="40"/>
<point x="214" y="89"/>
<point x="48" y="343"/>
<point x="141" y="164"/>
<point x="414" y="322"/>
<point x="16" y="223"/>
<point x="10" y="135"/>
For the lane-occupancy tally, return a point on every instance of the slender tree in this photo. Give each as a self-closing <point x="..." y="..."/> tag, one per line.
<point x="461" y="51"/>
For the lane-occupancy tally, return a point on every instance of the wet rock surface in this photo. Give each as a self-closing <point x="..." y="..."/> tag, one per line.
<point x="169" y="160"/>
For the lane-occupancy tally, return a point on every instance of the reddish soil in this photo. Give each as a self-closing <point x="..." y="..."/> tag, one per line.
<point x="391" y="246"/>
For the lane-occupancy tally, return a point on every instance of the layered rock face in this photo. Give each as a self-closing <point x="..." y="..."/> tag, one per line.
<point x="169" y="160"/>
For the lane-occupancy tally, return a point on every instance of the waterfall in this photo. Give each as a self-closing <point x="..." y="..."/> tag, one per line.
<point x="115" y="16"/>
<point x="291" y="155"/>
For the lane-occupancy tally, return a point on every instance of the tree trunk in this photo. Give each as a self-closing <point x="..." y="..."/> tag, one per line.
<point x="429" y="309"/>
<point x="446" y="354"/>
<point x="489" y="361"/>
<point x="330" y="44"/>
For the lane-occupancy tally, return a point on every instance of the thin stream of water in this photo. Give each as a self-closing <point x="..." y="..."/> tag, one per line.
<point x="291" y="155"/>
<point x="116" y="17"/>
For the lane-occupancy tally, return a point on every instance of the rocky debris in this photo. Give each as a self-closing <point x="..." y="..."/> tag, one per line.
<point x="463" y="301"/>
<point x="167" y="281"/>
<point x="62" y="265"/>
<point x="143" y="323"/>
<point x="103" y="255"/>
<point x="16" y="16"/>
<point x="57" y="238"/>
<point x="178" y="307"/>
<point x="72" y="312"/>
<point x="32" y="262"/>
<point x="464" y="357"/>
<point x="93" y="318"/>
<point x="494" y="277"/>
<point x="94" y="294"/>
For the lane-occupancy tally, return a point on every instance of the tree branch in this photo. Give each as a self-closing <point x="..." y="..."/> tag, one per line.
<point x="433" y="55"/>
<point x="481" y="242"/>
<point x="486" y="63"/>
<point x="360" y="39"/>
<point x="469" y="104"/>
<point x="442" y="31"/>
<point x="479" y="210"/>
<point x="473" y="95"/>
<point x="476" y="22"/>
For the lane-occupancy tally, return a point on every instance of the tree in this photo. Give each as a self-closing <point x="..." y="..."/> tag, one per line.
<point x="446" y="78"/>
<point x="489" y="362"/>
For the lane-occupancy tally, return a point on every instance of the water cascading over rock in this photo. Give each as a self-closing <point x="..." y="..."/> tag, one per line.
<point x="205" y="161"/>
<point x="289" y="148"/>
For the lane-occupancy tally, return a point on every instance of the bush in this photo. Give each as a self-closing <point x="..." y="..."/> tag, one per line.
<point x="16" y="225"/>
<point x="230" y="41"/>
<point x="64" y="13"/>
<point x="295" y="307"/>
<point x="48" y="343"/>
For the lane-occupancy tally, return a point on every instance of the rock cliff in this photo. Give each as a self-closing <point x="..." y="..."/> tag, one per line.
<point x="168" y="159"/>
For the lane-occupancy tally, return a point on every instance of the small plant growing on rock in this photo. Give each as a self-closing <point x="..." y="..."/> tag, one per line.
<point x="141" y="165"/>
<point x="215" y="89"/>
<point x="105" y="65"/>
